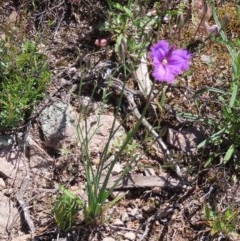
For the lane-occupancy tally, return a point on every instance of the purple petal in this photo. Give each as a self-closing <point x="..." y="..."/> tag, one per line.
<point x="159" y="51"/>
<point x="179" y="60"/>
<point x="162" y="73"/>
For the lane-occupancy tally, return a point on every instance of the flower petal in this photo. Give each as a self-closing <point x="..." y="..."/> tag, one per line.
<point x="159" y="51"/>
<point x="162" y="73"/>
<point x="179" y="60"/>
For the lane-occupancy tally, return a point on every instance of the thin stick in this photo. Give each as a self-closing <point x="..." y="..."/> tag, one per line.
<point x="21" y="202"/>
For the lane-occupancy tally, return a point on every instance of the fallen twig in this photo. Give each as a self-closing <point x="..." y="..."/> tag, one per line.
<point x="147" y="224"/>
<point x="138" y="181"/>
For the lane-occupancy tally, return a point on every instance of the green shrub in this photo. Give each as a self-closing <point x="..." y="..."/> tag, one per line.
<point x="24" y="76"/>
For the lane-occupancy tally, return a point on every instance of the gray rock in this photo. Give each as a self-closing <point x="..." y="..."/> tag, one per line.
<point x="6" y="141"/>
<point x="59" y="125"/>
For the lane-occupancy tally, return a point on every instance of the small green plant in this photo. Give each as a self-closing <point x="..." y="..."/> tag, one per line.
<point x="130" y="148"/>
<point x="221" y="222"/>
<point x="131" y="28"/>
<point x="66" y="208"/>
<point x="24" y="76"/>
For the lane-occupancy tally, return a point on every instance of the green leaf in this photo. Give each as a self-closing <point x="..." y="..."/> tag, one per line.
<point x="114" y="201"/>
<point x="123" y="9"/>
<point x="235" y="87"/>
<point x="70" y="195"/>
<point x="211" y="138"/>
<point x="228" y="214"/>
<point x="23" y="59"/>
<point x="229" y="153"/>
<point x="206" y="211"/>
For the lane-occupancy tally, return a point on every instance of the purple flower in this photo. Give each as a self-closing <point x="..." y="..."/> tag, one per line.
<point x="168" y="61"/>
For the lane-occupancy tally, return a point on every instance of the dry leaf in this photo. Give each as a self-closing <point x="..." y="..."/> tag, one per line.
<point x="142" y="77"/>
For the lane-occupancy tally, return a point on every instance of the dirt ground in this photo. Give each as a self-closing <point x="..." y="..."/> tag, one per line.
<point x="172" y="209"/>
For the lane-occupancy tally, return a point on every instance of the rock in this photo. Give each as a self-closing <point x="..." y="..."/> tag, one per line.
<point x="118" y="222"/>
<point x="12" y="163"/>
<point x="12" y="170"/>
<point x="39" y="161"/>
<point x="2" y="184"/>
<point x="156" y="190"/>
<point x="95" y="161"/>
<point x="108" y="239"/>
<point x="117" y="168"/>
<point x="133" y="212"/>
<point x="125" y="217"/>
<point x="98" y="130"/>
<point x="9" y="215"/>
<point x="206" y="59"/>
<point x="186" y="139"/>
<point x="37" y="156"/>
<point x="148" y="209"/>
<point x="59" y="125"/>
<point x="130" y="236"/>
<point x="6" y="141"/>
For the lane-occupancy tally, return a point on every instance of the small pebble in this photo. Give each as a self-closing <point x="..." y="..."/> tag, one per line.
<point x="130" y="236"/>
<point x="206" y="59"/>
<point x="139" y="216"/>
<point x="133" y="212"/>
<point x="125" y="217"/>
<point x="95" y="161"/>
<point x="72" y="70"/>
<point x="118" y="222"/>
<point x="2" y="183"/>
<point x="156" y="190"/>
<point x="148" y="209"/>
